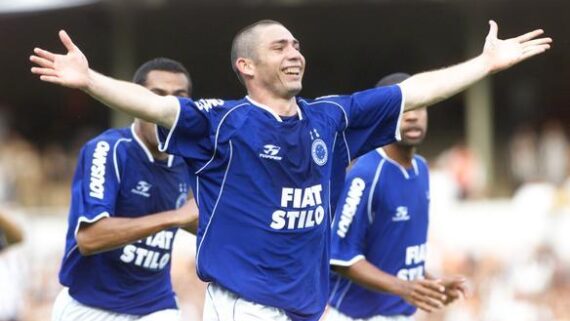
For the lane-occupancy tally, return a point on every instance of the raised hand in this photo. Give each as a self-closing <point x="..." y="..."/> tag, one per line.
<point x="69" y="70"/>
<point x="502" y="54"/>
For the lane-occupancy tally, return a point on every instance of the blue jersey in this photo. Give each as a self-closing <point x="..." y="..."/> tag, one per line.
<point x="116" y="176"/>
<point x="382" y="216"/>
<point x="263" y="189"/>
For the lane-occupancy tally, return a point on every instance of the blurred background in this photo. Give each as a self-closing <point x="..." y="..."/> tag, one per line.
<point x="499" y="152"/>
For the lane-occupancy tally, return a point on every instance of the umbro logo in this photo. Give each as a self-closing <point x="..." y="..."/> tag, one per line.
<point x="401" y="214"/>
<point x="142" y="189"/>
<point x="271" y="152"/>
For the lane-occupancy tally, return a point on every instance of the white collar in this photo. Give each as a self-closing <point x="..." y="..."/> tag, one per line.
<point x="383" y="153"/>
<point x="145" y="149"/>
<point x="268" y="109"/>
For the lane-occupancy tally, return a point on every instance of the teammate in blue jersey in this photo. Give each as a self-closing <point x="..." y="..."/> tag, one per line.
<point x="264" y="163"/>
<point x="379" y="234"/>
<point x="127" y="204"/>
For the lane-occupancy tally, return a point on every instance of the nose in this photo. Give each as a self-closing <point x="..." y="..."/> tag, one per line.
<point x="411" y="116"/>
<point x="293" y="53"/>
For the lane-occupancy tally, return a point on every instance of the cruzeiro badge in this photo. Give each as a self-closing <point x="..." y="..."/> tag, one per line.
<point x="319" y="150"/>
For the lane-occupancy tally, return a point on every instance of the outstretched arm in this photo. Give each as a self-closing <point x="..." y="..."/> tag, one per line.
<point x="113" y="232"/>
<point x="428" y="295"/>
<point x="428" y="88"/>
<point x="72" y="70"/>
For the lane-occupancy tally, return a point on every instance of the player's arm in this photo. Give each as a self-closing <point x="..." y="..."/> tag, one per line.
<point x="114" y="232"/>
<point x="11" y="230"/>
<point x="72" y="70"/>
<point x="425" y="294"/>
<point x="191" y="226"/>
<point x="428" y="88"/>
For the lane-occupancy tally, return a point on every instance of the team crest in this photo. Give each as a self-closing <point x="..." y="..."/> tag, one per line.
<point x="183" y="189"/>
<point x="319" y="150"/>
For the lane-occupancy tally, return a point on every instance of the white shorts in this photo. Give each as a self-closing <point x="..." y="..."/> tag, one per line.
<point x="223" y="305"/>
<point x="66" y="308"/>
<point x="333" y="314"/>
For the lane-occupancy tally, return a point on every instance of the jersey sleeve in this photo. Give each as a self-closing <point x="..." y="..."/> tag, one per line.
<point x="189" y="137"/>
<point x="352" y="218"/>
<point x="96" y="182"/>
<point x="373" y="119"/>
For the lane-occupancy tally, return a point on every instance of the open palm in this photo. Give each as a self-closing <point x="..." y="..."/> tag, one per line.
<point x="503" y="54"/>
<point x="69" y="70"/>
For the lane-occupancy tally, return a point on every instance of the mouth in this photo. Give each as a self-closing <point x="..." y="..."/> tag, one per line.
<point x="293" y="71"/>
<point x="413" y="133"/>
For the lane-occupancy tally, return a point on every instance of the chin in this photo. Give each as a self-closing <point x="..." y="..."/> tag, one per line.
<point x="295" y="89"/>
<point x="410" y="143"/>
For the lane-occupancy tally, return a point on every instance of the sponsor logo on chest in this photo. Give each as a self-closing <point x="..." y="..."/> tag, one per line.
<point x="401" y="214"/>
<point x="271" y="151"/>
<point x="300" y="208"/>
<point x="142" y="189"/>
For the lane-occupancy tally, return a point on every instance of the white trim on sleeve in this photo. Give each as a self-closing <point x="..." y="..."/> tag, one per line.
<point x="347" y="263"/>
<point x="163" y="147"/>
<point x="83" y="219"/>
<point x="397" y="134"/>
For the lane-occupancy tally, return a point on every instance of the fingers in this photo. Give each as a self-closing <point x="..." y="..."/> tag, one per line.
<point x="536" y="50"/>
<point x="529" y="35"/>
<point x="428" y="295"/>
<point x="432" y="285"/>
<point x="51" y="79"/>
<point x="42" y="62"/>
<point x="536" y="42"/>
<point x="433" y="293"/>
<point x="66" y="40"/>
<point x="44" y="54"/>
<point x="43" y="71"/>
<point x="493" y="30"/>
<point x="425" y="303"/>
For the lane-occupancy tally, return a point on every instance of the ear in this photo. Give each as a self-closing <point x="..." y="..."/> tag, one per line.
<point x="245" y="67"/>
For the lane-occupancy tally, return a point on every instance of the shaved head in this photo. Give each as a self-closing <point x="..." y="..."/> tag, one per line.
<point x="246" y="41"/>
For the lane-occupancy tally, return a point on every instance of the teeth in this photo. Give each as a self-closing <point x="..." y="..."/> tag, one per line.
<point x="292" y="70"/>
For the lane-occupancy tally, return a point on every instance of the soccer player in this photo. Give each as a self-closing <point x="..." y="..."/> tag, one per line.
<point x="128" y="200"/>
<point x="10" y="232"/>
<point x="264" y="163"/>
<point x="379" y="234"/>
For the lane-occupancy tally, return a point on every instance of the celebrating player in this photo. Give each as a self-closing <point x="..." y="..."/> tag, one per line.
<point x="264" y="163"/>
<point x="380" y="230"/>
<point x="127" y="204"/>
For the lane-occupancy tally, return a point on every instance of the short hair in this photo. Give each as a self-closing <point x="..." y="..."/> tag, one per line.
<point x="162" y="64"/>
<point x="244" y="43"/>
<point x="392" y="79"/>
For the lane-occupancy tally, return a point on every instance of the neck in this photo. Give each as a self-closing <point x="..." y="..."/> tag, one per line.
<point x="401" y="154"/>
<point x="282" y="106"/>
<point x="143" y="131"/>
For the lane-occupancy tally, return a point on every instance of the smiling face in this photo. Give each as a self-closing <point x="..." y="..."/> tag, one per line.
<point x="275" y="63"/>
<point x="413" y="127"/>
